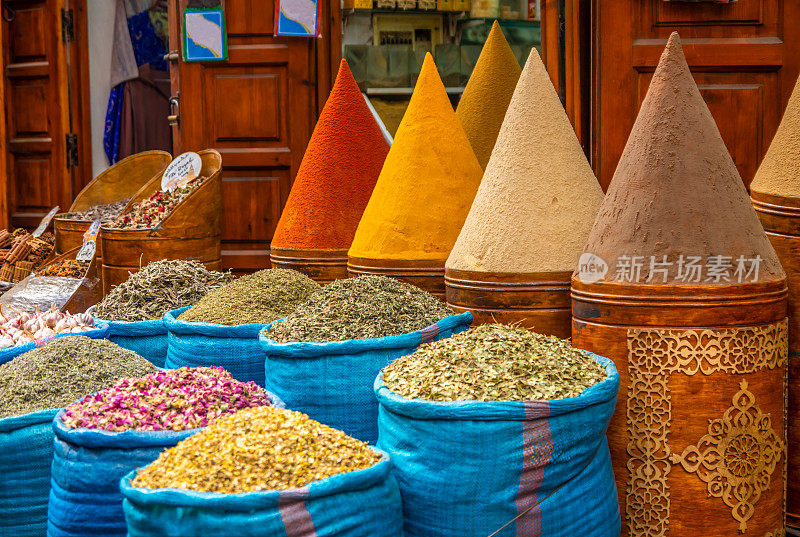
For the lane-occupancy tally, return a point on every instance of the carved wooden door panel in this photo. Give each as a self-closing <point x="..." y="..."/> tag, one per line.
<point x="37" y="109"/>
<point x="257" y="109"/>
<point x="743" y="56"/>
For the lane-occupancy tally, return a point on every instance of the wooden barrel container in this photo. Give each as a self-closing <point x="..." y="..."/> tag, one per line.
<point x="539" y="301"/>
<point x="698" y="432"/>
<point x="89" y="292"/>
<point x="191" y="231"/>
<point x="428" y="276"/>
<point x="780" y="216"/>
<point x="120" y="181"/>
<point x="322" y="266"/>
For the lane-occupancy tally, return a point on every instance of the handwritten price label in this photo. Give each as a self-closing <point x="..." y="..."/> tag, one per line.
<point x="86" y="253"/>
<point x="180" y="171"/>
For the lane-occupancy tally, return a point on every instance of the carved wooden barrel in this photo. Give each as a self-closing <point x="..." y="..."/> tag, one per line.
<point x="427" y="275"/>
<point x="322" y="266"/>
<point x="120" y="181"/>
<point x="191" y="231"/>
<point x="539" y="301"/>
<point x="780" y="216"/>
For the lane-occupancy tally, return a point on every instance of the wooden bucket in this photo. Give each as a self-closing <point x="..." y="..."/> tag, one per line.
<point x="191" y="231"/>
<point x="698" y="432"/>
<point x="322" y="266"/>
<point x="120" y="181"/>
<point x="90" y="291"/>
<point x="427" y="275"/>
<point x="539" y="301"/>
<point x="780" y="216"/>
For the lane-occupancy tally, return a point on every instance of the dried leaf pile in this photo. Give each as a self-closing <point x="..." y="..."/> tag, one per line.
<point x="158" y="288"/>
<point x="360" y="308"/>
<point x="264" y="448"/>
<point x="63" y="371"/>
<point x="494" y="362"/>
<point x="150" y="212"/>
<point x="258" y="298"/>
<point x="103" y="213"/>
<point x="68" y="268"/>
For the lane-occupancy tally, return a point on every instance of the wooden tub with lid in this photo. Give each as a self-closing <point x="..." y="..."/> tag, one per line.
<point x="191" y="231"/>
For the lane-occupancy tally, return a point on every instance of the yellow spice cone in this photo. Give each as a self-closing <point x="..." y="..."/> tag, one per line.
<point x="539" y="197"/>
<point x="779" y="173"/>
<point x="427" y="183"/>
<point x="485" y="99"/>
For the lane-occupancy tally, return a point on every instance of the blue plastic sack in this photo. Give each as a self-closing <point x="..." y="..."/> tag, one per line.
<point x="87" y="467"/>
<point x="333" y="382"/>
<point x="469" y="468"/>
<point x="148" y="339"/>
<point x="205" y="344"/>
<point x="26" y="449"/>
<point x="8" y="354"/>
<point x="364" y="503"/>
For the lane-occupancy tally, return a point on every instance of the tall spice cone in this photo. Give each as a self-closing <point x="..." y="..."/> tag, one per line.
<point x="423" y="194"/>
<point x="531" y="217"/>
<point x="333" y="185"/>
<point x="485" y="99"/>
<point x="775" y="192"/>
<point x="680" y="286"/>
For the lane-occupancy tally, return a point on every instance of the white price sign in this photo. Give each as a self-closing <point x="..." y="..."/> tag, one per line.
<point x="86" y="253"/>
<point x="45" y="222"/>
<point x="180" y="171"/>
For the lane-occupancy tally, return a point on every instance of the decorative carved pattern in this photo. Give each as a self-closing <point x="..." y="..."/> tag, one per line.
<point x="737" y="457"/>
<point x="653" y="355"/>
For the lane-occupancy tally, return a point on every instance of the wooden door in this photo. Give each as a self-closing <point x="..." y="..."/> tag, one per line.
<point x="744" y="57"/>
<point x="44" y="107"/>
<point x="257" y="109"/>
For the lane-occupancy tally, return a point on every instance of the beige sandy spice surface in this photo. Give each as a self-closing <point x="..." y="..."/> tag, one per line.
<point x="538" y="198"/>
<point x="484" y="102"/>
<point x="779" y="173"/>
<point x="427" y="183"/>
<point x="676" y="190"/>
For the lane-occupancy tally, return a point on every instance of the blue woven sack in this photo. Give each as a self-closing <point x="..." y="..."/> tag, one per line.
<point x="8" y="354"/>
<point x="148" y="339"/>
<point x="333" y="382"/>
<point x="520" y="469"/>
<point x="26" y="449"/>
<point x="87" y="467"/>
<point x="205" y="344"/>
<point x="364" y="503"/>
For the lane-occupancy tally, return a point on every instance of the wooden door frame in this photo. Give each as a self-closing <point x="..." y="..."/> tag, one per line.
<point x="328" y="49"/>
<point x="81" y="97"/>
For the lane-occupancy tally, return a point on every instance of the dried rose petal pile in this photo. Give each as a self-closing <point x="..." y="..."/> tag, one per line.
<point x="151" y="212"/>
<point x="174" y="399"/>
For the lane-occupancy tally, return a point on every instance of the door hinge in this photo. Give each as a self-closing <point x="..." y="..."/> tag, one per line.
<point x="72" y="150"/>
<point x="67" y="26"/>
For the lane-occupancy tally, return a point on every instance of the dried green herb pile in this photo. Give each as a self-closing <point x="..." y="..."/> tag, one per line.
<point x="494" y="362"/>
<point x="158" y="288"/>
<point x="63" y="371"/>
<point x="361" y="308"/>
<point x="258" y="298"/>
<point x="103" y="213"/>
<point x="263" y="448"/>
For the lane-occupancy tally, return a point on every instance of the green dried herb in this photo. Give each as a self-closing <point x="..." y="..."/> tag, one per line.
<point x="360" y="308"/>
<point x="494" y="362"/>
<point x="258" y="298"/>
<point x="158" y="288"/>
<point x="263" y="448"/>
<point x="63" y="371"/>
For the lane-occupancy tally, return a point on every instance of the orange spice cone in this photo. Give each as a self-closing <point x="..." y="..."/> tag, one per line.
<point x="333" y="185"/>
<point x="423" y="194"/>
<point x="531" y="217"/>
<point x="775" y="193"/>
<point x="487" y="94"/>
<point x="679" y="285"/>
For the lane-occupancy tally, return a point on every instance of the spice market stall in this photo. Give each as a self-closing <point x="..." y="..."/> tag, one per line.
<point x="687" y="296"/>
<point x="333" y="185"/>
<point x="514" y="257"/>
<point x="423" y="194"/>
<point x="182" y="223"/>
<point x="775" y="192"/>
